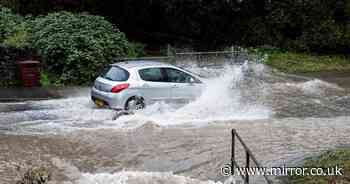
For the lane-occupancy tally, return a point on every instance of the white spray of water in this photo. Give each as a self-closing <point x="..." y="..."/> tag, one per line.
<point x="314" y="87"/>
<point x="74" y="176"/>
<point x="221" y="100"/>
<point x="317" y="87"/>
<point x="227" y="96"/>
<point x="129" y="177"/>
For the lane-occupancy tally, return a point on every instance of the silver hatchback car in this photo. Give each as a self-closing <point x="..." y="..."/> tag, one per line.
<point x="130" y="85"/>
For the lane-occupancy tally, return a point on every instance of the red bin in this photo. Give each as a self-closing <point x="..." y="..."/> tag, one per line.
<point x="30" y="73"/>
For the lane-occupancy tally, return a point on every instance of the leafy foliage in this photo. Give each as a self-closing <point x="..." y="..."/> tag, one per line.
<point x="8" y="22"/>
<point x="305" y="25"/>
<point x="75" y="46"/>
<point x="316" y="26"/>
<point x="19" y="38"/>
<point x="136" y="50"/>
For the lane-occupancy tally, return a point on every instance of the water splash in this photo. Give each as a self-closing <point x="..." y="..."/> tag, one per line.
<point x="249" y="91"/>
<point x="221" y="100"/>
<point x="128" y="177"/>
<point x="73" y="174"/>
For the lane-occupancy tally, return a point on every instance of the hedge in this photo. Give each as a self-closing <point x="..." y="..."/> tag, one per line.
<point x="76" y="46"/>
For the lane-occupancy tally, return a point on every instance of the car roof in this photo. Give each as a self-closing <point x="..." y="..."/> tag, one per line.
<point x="140" y="63"/>
<point x="130" y="64"/>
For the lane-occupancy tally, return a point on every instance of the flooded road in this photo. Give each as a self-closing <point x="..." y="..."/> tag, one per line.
<point x="281" y="118"/>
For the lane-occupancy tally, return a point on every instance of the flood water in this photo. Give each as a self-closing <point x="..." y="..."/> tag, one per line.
<point x="282" y="119"/>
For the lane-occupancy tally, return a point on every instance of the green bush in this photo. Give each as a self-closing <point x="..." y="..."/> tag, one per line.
<point x="19" y="38"/>
<point x="8" y="22"/>
<point x="136" y="50"/>
<point x="327" y="36"/>
<point x="75" y="46"/>
<point x="297" y="46"/>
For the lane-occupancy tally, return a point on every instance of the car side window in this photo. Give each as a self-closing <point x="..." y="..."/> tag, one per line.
<point x="177" y="76"/>
<point x="151" y="74"/>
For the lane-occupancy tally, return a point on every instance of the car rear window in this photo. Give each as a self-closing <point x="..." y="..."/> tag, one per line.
<point x="115" y="73"/>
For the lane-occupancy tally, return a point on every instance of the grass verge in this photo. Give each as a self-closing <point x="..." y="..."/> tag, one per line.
<point x="329" y="159"/>
<point x="304" y="63"/>
<point x="48" y="79"/>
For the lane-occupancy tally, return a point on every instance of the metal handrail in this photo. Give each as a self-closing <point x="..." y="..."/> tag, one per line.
<point x="175" y="57"/>
<point x="249" y="156"/>
<point x="205" y="53"/>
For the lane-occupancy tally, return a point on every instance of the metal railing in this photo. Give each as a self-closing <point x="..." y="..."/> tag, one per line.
<point x="249" y="156"/>
<point x="233" y="55"/>
<point x="157" y="58"/>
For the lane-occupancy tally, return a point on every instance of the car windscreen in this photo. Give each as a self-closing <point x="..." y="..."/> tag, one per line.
<point x="115" y="73"/>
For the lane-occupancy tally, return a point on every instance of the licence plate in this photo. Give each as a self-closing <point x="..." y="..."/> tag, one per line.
<point x="99" y="103"/>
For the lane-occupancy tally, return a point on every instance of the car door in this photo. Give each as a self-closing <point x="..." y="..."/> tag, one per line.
<point x="153" y="85"/>
<point x="184" y="86"/>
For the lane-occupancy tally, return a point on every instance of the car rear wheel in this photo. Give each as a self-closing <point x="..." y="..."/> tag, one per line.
<point x="134" y="104"/>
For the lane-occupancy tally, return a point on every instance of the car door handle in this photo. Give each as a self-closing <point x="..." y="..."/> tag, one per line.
<point x="175" y="86"/>
<point x="146" y="85"/>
